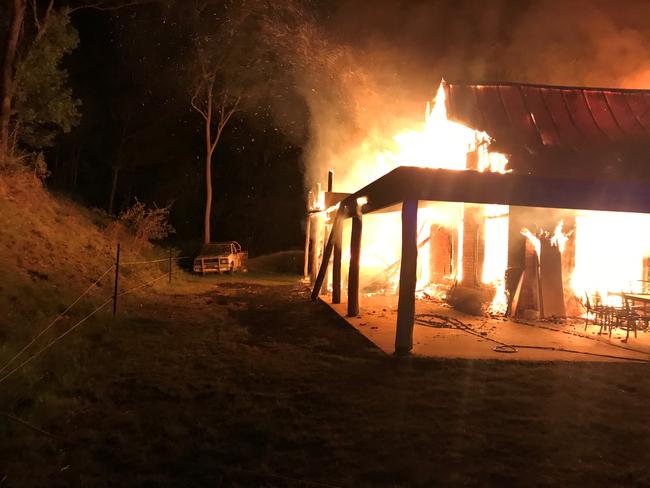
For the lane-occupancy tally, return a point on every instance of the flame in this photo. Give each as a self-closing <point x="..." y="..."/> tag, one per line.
<point x="436" y="142"/>
<point x="609" y="251"/>
<point x="444" y="144"/>
<point x="559" y="238"/>
<point x="534" y="240"/>
<point x="495" y="259"/>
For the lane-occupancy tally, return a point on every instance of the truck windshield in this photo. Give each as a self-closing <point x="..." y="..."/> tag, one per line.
<point x="216" y="249"/>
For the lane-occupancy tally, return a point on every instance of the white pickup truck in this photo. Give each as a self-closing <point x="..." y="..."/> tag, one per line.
<point x="220" y="257"/>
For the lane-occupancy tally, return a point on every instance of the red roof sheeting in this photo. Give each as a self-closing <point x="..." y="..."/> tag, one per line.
<point x="602" y="129"/>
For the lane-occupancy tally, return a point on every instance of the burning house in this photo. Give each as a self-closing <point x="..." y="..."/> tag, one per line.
<point x="534" y="196"/>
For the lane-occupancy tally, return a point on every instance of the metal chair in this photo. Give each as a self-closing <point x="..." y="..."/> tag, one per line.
<point x="602" y="313"/>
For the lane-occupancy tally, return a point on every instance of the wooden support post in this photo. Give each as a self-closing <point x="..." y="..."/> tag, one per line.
<point x="337" y="230"/>
<point x="315" y="229"/>
<point x="327" y="229"/>
<point x="551" y="282"/>
<point x="307" y="237"/>
<point x="327" y="252"/>
<point x="516" y="257"/>
<point x="117" y="277"/>
<point x="407" y="278"/>
<point x="330" y="186"/>
<point x="355" y="256"/>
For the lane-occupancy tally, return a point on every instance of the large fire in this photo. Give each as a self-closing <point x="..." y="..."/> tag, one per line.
<point x="607" y="259"/>
<point x="437" y="142"/>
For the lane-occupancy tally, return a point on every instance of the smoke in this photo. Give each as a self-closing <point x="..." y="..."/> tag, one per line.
<point x="366" y="69"/>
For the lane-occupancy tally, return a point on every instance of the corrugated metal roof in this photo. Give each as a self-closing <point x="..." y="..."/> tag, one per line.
<point x="557" y="125"/>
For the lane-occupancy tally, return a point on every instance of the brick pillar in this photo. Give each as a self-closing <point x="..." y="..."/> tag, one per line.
<point x="473" y="245"/>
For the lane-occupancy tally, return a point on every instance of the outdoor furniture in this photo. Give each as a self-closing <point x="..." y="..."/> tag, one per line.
<point x="632" y="315"/>
<point x="601" y="312"/>
<point x="624" y="318"/>
<point x="609" y="317"/>
<point x="640" y="304"/>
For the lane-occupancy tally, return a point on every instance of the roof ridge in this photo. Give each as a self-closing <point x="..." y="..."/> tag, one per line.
<point x="546" y="86"/>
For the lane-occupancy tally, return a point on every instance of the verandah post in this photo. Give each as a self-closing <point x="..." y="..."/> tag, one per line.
<point x="327" y="253"/>
<point x="407" y="278"/>
<point x="313" y="252"/>
<point x="336" y="266"/>
<point x="355" y="256"/>
<point x="315" y="234"/>
<point x="307" y="237"/>
<point x="324" y="289"/>
<point x="330" y="187"/>
<point x="310" y="199"/>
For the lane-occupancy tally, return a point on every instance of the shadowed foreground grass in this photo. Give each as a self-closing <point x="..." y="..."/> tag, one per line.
<point x="226" y="382"/>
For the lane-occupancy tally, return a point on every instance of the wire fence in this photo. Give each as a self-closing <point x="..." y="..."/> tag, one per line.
<point x="131" y="263"/>
<point x="53" y="322"/>
<point x="5" y="372"/>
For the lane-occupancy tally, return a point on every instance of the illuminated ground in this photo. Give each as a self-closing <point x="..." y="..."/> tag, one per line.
<point x="378" y="317"/>
<point x="243" y="381"/>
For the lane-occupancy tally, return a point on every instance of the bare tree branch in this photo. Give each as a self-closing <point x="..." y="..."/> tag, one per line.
<point x="35" y="10"/>
<point x="224" y="119"/>
<point x="104" y="7"/>
<point x="42" y="25"/>
<point x="194" y="103"/>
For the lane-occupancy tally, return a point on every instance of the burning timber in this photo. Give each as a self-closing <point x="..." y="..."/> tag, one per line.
<point x="409" y="186"/>
<point x="490" y="163"/>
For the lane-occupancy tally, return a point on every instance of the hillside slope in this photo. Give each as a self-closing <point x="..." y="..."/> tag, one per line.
<point x="51" y="250"/>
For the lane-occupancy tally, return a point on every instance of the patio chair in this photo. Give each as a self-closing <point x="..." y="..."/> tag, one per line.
<point x="625" y="317"/>
<point x="602" y="314"/>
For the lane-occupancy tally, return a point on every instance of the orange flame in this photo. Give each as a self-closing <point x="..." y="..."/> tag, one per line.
<point x="437" y="142"/>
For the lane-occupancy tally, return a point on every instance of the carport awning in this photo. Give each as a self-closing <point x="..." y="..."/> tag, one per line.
<point x="406" y="183"/>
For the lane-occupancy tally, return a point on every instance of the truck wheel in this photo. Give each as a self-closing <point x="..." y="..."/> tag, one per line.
<point x="232" y="268"/>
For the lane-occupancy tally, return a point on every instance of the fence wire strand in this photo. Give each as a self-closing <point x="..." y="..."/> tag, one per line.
<point x="54" y="341"/>
<point x="131" y="290"/>
<point x="131" y="263"/>
<point x="51" y="324"/>
<point x="75" y="326"/>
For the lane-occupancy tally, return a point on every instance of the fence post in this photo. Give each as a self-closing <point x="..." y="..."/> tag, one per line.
<point x="117" y="277"/>
<point x="170" y="265"/>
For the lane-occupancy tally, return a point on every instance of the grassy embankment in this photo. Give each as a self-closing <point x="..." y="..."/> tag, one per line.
<point x="51" y="250"/>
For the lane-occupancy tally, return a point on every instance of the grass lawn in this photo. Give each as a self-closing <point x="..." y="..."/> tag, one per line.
<point x="243" y="381"/>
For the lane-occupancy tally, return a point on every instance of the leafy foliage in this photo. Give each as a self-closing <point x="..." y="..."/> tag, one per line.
<point x="44" y="105"/>
<point x="146" y="224"/>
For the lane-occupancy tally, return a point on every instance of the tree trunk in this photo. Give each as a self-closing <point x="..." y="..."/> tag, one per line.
<point x="7" y="88"/>
<point x="111" y="199"/>
<point x="208" y="198"/>
<point x="209" y="150"/>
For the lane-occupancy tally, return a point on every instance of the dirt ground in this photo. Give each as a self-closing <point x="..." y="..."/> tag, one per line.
<point x="232" y="382"/>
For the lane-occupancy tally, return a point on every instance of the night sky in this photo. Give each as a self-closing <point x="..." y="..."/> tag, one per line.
<point x="365" y="66"/>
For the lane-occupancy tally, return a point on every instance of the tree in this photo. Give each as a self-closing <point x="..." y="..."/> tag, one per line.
<point x="8" y="70"/>
<point x="43" y="101"/>
<point x="36" y="102"/>
<point x="213" y="97"/>
<point x="236" y="68"/>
